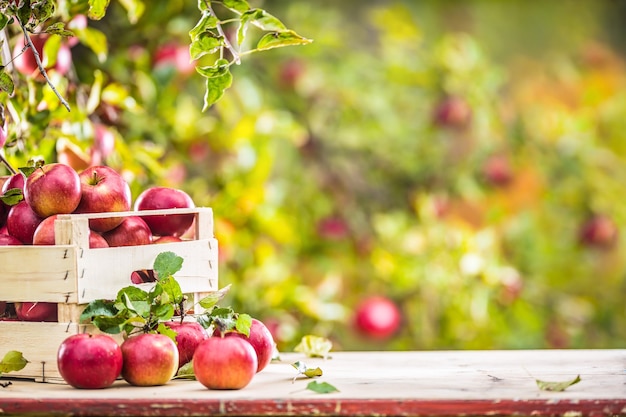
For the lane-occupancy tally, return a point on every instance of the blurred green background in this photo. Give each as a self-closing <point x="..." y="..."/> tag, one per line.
<point x="466" y="160"/>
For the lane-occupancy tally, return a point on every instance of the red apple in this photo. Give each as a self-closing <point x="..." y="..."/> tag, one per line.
<point x="261" y="340"/>
<point x="45" y="234"/>
<point x="97" y="241"/>
<point x="173" y="55"/>
<point x="36" y="311"/>
<point x="8" y="240"/>
<point x="497" y="171"/>
<point x="156" y="198"/>
<point x="167" y="239"/>
<point x="14" y="181"/>
<point x="149" y="359"/>
<point x="132" y="232"/>
<point x="89" y="361"/>
<point x="103" y="190"/>
<point x="377" y="317"/>
<point x="22" y="222"/>
<point x="104" y="140"/>
<point x="53" y="189"/>
<point x="225" y="363"/>
<point x="599" y="231"/>
<point x="453" y="112"/>
<point x="189" y="334"/>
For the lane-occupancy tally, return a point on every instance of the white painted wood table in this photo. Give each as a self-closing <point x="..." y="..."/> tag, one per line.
<point x="418" y="383"/>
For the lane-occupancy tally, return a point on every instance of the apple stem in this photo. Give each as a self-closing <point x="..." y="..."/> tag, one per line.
<point x="42" y="70"/>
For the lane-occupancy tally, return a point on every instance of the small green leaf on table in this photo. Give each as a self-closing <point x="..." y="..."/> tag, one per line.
<point x="186" y="371"/>
<point x="557" y="386"/>
<point x="12" y="361"/>
<point x="303" y="369"/>
<point x="321" y="387"/>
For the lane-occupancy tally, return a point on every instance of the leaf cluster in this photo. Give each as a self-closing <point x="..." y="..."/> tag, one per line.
<point x="209" y="37"/>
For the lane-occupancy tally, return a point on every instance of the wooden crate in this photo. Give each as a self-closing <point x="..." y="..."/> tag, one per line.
<point x="72" y="275"/>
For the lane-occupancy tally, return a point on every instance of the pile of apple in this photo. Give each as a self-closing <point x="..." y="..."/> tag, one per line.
<point x="53" y="189"/>
<point x="219" y="360"/>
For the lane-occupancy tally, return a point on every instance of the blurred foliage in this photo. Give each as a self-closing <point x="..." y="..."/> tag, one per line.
<point x="334" y="173"/>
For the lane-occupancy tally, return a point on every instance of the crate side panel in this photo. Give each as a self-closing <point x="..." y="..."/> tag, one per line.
<point x="39" y="343"/>
<point x="103" y="272"/>
<point x="38" y="273"/>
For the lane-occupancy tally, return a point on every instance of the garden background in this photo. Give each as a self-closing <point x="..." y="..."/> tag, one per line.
<point x="466" y="160"/>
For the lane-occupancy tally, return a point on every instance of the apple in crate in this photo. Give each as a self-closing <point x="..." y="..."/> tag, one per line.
<point x="36" y="311"/>
<point x="45" y="235"/>
<point x="103" y="190"/>
<point x="8" y="240"/>
<point x="189" y="334"/>
<point x="132" y="232"/>
<point x="89" y="361"/>
<point x="158" y="198"/>
<point x="14" y="181"/>
<point x="261" y="340"/>
<point x="225" y="363"/>
<point x="53" y="189"/>
<point x="22" y="222"/>
<point x="149" y="359"/>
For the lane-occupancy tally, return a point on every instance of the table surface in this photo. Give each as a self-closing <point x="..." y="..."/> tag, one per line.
<point x="416" y="383"/>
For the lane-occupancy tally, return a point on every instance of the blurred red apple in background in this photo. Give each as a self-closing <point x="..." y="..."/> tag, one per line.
<point x="133" y="231"/>
<point x="89" y="361"/>
<point x="157" y="198"/>
<point x="26" y="64"/>
<point x="599" y="231"/>
<point x="377" y="317"/>
<point x="452" y="112"/>
<point x="53" y="189"/>
<point x="103" y="190"/>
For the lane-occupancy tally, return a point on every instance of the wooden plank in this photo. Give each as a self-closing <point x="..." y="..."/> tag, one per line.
<point x="38" y="273"/>
<point x="103" y="272"/>
<point x="444" y="383"/>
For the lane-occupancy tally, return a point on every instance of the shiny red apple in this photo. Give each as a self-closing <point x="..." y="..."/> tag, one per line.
<point x="132" y="232"/>
<point x="225" y="363"/>
<point x="103" y="190"/>
<point x="149" y="359"/>
<point x="157" y="198"/>
<point x="45" y="234"/>
<point x="189" y="334"/>
<point x="8" y="240"/>
<point x="53" y="189"/>
<point x="22" y="222"/>
<point x="261" y="340"/>
<point x="89" y="361"/>
<point x="36" y="311"/>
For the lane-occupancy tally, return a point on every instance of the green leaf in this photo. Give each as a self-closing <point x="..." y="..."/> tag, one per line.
<point x="557" y="386"/>
<point x="261" y="19"/>
<point x="59" y="29"/>
<point x="313" y="372"/>
<point x="213" y="298"/>
<point x="42" y="10"/>
<point x="134" y="9"/>
<point x="219" y="79"/>
<point x="239" y="6"/>
<point x="4" y="20"/>
<point x="205" y="24"/>
<point x="280" y="39"/>
<point x="94" y="40"/>
<point x="167" y="331"/>
<point x="12" y="361"/>
<point x="110" y="325"/>
<point x="243" y="323"/>
<point x="24" y="12"/>
<point x="171" y="287"/>
<point x="186" y="371"/>
<point x="167" y="264"/>
<point x="12" y="197"/>
<point x="6" y="83"/>
<point x="321" y="387"/>
<point x="97" y="9"/>
<point x="205" y="44"/>
<point x="314" y="346"/>
<point x="98" y="308"/>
